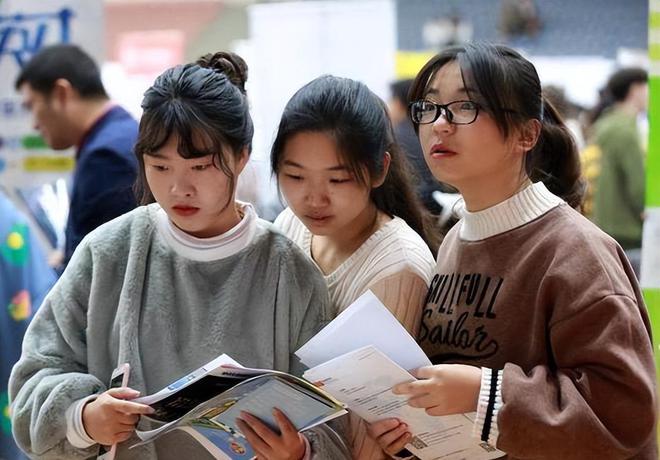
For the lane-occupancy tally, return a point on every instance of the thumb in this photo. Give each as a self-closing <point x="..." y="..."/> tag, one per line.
<point x="123" y="393"/>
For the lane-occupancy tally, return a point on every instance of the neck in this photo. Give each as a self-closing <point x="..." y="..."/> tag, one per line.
<point x="86" y="113"/>
<point x="484" y="197"/>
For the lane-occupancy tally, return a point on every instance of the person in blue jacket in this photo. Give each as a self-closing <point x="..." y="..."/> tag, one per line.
<point x="61" y="85"/>
<point x="25" y="278"/>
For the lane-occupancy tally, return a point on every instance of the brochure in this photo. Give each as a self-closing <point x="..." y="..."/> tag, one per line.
<point x="360" y="369"/>
<point x="206" y="403"/>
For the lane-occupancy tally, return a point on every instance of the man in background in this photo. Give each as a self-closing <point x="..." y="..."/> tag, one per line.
<point x="61" y="85"/>
<point x="619" y="190"/>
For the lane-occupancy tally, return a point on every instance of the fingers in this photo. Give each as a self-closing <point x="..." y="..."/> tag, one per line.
<point x="424" y="401"/>
<point x="377" y="429"/>
<point x="128" y="407"/>
<point x="399" y="444"/>
<point x="286" y="427"/>
<point x="393" y="440"/>
<point x="123" y="393"/>
<point x="412" y="389"/>
<point x="258" y="445"/>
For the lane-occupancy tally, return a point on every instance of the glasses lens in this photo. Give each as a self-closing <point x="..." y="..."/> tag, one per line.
<point x="463" y="112"/>
<point x="422" y="112"/>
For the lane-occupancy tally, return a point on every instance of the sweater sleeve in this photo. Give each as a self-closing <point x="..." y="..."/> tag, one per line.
<point x="403" y="294"/>
<point x="52" y="371"/>
<point x="596" y="401"/>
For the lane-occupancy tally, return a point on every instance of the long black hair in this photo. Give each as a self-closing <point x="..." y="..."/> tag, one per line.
<point x="205" y="106"/>
<point x="357" y="120"/>
<point x="510" y="91"/>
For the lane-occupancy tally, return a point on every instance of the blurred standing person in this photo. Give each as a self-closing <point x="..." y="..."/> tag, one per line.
<point x="25" y="278"/>
<point x="409" y="142"/>
<point x="619" y="191"/>
<point x="61" y="85"/>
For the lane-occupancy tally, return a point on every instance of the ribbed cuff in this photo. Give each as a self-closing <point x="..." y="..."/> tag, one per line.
<point x="75" y="430"/>
<point x="490" y="402"/>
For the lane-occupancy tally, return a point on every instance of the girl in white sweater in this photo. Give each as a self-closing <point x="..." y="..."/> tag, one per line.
<point x="351" y="204"/>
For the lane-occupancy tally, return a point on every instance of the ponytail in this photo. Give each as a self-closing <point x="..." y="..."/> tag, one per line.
<point x="555" y="160"/>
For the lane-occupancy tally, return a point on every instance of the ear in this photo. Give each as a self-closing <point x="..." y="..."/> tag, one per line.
<point x="242" y="160"/>
<point x="62" y="92"/>
<point x="528" y="135"/>
<point x="378" y="181"/>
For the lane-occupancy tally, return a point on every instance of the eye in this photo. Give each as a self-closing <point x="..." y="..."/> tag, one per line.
<point x="202" y="167"/>
<point x="159" y="167"/>
<point x="340" y="181"/>
<point x="468" y="105"/>
<point x="293" y="177"/>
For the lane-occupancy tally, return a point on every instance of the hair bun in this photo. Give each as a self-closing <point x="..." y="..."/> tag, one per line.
<point x="228" y="63"/>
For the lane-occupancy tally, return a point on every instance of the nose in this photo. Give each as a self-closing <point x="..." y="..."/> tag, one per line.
<point x="182" y="186"/>
<point x="442" y="124"/>
<point x="316" y="195"/>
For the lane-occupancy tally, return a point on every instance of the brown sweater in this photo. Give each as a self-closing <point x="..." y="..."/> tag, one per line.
<point x="555" y="307"/>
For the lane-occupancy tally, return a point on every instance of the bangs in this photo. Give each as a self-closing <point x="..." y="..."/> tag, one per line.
<point x="196" y="138"/>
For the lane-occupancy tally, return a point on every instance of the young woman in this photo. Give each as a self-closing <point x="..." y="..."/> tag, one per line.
<point x="351" y="206"/>
<point x="171" y="285"/>
<point x="534" y="318"/>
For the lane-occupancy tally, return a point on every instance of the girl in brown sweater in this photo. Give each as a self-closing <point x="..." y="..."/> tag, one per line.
<point x="534" y="318"/>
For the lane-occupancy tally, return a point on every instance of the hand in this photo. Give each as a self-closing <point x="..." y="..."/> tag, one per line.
<point x="391" y="434"/>
<point x="289" y="445"/>
<point x="110" y="419"/>
<point x="444" y="389"/>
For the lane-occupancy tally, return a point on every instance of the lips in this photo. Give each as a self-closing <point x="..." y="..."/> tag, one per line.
<point x="318" y="218"/>
<point x="184" y="210"/>
<point x="440" y="150"/>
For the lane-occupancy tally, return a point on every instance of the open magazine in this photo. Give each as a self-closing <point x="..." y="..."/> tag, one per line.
<point x="359" y="366"/>
<point x="206" y="403"/>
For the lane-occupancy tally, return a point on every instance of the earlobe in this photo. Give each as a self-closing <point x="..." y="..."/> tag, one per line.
<point x="529" y="135"/>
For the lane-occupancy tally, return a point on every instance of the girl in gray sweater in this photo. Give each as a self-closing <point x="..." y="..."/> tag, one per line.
<point x="170" y="286"/>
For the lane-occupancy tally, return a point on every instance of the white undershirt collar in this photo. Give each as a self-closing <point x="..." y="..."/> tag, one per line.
<point x="523" y="207"/>
<point x="208" y="249"/>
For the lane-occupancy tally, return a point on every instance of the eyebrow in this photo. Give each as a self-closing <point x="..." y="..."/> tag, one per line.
<point x="155" y="154"/>
<point x="296" y="165"/>
<point x="462" y="90"/>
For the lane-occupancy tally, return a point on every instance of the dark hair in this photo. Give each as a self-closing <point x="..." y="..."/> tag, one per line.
<point x="358" y="122"/>
<point x="205" y="106"/>
<point x="63" y="61"/>
<point x="618" y="86"/>
<point x="400" y="90"/>
<point x="508" y="88"/>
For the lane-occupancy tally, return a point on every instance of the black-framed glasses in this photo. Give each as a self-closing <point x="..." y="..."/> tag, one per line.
<point x="456" y="112"/>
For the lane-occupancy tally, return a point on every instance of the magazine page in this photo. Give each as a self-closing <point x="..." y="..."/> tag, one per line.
<point x="347" y="333"/>
<point x="305" y="405"/>
<point x="260" y="395"/>
<point x="363" y="379"/>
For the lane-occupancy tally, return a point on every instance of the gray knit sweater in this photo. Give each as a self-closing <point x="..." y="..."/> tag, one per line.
<point x="128" y="296"/>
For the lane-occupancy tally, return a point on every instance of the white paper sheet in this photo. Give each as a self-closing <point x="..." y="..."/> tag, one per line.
<point x="365" y="322"/>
